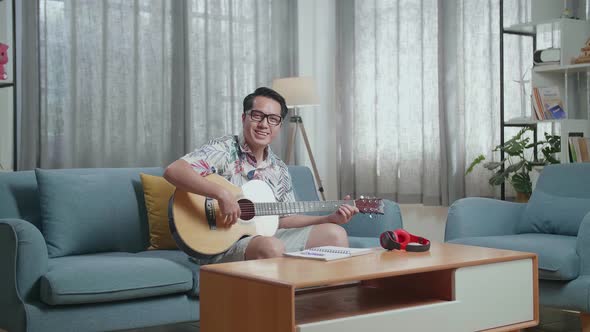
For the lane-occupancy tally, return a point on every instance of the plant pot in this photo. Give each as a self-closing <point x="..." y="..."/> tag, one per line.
<point x="522" y="197"/>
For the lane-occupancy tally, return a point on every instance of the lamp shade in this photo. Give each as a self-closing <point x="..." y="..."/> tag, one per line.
<point x="297" y="91"/>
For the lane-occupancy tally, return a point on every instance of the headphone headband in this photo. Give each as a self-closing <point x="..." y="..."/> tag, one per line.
<point x="400" y="239"/>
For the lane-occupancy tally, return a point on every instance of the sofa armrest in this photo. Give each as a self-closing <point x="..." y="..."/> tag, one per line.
<point x="475" y="216"/>
<point x="364" y="225"/>
<point x="583" y="245"/>
<point x="23" y="260"/>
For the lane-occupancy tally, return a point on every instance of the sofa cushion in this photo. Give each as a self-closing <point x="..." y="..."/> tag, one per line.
<point x="363" y="242"/>
<point x="557" y="255"/>
<point x="157" y="192"/>
<point x="560" y="201"/>
<point x="553" y="214"/>
<point x="111" y="277"/>
<point x="92" y="210"/>
<point x="181" y="258"/>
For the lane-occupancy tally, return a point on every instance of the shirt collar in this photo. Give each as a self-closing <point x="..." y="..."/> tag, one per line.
<point x="269" y="156"/>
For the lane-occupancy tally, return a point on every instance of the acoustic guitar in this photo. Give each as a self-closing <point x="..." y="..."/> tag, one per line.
<point x="196" y="222"/>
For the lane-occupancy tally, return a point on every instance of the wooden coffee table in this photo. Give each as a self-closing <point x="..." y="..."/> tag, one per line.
<point x="451" y="288"/>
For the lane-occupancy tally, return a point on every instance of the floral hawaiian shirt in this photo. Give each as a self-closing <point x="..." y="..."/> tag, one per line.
<point x="236" y="162"/>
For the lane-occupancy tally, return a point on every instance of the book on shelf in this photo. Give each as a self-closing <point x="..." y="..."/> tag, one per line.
<point x="329" y="253"/>
<point x="547" y="104"/>
<point x="579" y="149"/>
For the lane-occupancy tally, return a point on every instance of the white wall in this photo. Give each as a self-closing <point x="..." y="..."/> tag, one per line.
<point x="6" y="123"/>
<point x="317" y="45"/>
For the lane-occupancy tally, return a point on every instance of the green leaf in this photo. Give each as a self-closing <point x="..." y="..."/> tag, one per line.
<point x="476" y="161"/>
<point x="497" y="179"/>
<point x="522" y="183"/>
<point x="516" y="148"/>
<point x="492" y="165"/>
<point x="514" y="168"/>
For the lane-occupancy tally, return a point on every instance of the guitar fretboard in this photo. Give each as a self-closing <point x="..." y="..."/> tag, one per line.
<point x="285" y="208"/>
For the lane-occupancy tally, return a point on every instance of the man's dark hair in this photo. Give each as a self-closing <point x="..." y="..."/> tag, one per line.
<point x="269" y="93"/>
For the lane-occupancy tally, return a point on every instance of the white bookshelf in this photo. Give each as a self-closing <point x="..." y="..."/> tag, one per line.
<point x="579" y="68"/>
<point x="570" y="35"/>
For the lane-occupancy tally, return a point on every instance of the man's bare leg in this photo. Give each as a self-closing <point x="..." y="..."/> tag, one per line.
<point x="264" y="247"/>
<point x="327" y="235"/>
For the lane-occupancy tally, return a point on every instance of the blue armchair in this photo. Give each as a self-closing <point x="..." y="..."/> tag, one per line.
<point x="554" y="224"/>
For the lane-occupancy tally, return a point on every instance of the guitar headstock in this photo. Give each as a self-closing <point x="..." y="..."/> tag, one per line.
<point x="370" y="205"/>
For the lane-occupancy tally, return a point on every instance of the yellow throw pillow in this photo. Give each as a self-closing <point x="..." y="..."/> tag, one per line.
<point x="157" y="192"/>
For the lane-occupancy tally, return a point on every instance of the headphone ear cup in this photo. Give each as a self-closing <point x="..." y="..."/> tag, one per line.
<point x="403" y="237"/>
<point x="389" y="241"/>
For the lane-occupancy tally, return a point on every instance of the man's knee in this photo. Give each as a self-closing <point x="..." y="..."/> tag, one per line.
<point x="333" y="234"/>
<point x="264" y="247"/>
<point x="338" y="234"/>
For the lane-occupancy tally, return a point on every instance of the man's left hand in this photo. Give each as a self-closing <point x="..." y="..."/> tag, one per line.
<point x="344" y="213"/>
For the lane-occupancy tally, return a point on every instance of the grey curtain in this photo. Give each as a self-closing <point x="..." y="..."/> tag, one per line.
<point x="418" y="91"/>
<point x="139" y="83"/>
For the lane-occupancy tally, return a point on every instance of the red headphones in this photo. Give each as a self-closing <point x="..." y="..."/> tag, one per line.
<point x="400" y="239"/>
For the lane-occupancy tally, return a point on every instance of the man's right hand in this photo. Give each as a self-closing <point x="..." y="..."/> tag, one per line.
<point x="229" y="207"/>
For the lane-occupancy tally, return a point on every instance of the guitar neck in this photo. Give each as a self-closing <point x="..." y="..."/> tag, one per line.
<point x="286" y="208"/>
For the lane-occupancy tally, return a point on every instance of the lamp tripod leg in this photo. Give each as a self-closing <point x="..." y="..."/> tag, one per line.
<point x="315" y="169"/>
<point x="291" y="143"/>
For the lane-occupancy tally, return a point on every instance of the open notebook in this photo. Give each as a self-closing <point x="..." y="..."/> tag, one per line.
<point x="328" y="253"/>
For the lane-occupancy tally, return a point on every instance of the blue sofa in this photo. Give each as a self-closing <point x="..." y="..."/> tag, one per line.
<point x="73" y="252"/>
<point x="554" y="224"/>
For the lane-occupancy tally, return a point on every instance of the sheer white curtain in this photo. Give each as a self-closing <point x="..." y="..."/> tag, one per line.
<point x="419" y="95"/>
<point x="140" y="83"/>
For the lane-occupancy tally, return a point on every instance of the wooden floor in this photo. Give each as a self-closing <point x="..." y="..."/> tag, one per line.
<point x="552" y="320"/>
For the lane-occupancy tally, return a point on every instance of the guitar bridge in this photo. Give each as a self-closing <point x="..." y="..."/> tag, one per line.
<point x="210" y="213"/>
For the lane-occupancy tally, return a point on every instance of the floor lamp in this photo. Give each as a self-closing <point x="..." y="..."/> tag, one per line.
<point x="299" y="92"/>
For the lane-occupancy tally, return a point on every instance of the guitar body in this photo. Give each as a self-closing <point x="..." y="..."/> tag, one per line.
<point x="195" y="232"/>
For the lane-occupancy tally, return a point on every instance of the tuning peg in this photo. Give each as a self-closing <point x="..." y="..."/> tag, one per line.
<point x="370" y="216"/>
<point x="362" y="197"/>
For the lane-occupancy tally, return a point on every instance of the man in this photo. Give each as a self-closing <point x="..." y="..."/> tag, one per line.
<point x="250" y="157"/>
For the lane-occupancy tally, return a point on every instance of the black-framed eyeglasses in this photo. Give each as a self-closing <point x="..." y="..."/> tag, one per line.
<point x="258" y="116"/>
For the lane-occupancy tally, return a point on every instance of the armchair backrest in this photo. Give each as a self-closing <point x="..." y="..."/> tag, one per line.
<point x="19" y="197"/>
<point x="559" y="202"/>
<point x="303" y="183"/>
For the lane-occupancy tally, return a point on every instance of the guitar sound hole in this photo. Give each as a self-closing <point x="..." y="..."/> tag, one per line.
<point x="247" y="208"/>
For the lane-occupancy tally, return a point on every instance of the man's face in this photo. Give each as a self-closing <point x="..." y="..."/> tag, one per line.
<point x="259" y="134"/>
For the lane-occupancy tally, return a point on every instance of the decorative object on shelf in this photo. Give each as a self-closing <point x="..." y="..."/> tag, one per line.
<point x="299" y="92"/>
<point x="3" y="61"/>
<point x="585" y="56"/>
<point x="519" y="165"/>
<point x="548" y="56"/>
<point x="522" y="82"/>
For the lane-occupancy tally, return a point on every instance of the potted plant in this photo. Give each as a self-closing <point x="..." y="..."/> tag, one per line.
<point x="520" y="161"/>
